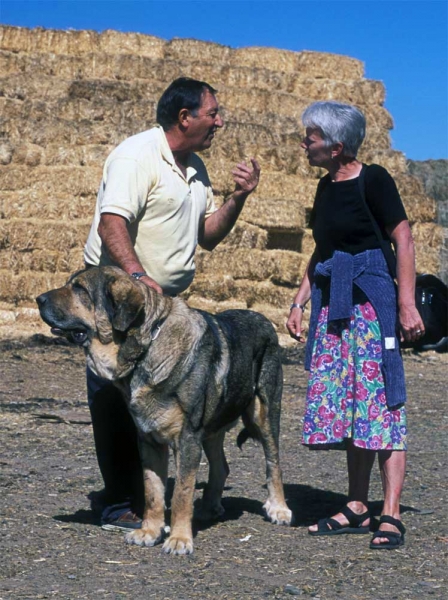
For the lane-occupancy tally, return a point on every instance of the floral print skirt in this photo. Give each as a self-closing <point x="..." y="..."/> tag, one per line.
<point x="346" y="396"/>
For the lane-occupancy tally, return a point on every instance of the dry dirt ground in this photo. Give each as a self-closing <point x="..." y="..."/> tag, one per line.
<point x="54" y="548"/>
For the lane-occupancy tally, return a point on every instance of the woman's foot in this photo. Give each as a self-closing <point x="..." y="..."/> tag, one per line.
<point x="353" y="518"/>
<point x="393" y="537"/>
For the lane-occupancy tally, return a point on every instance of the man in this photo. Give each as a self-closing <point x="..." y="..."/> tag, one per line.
<point x="155" y="204"/>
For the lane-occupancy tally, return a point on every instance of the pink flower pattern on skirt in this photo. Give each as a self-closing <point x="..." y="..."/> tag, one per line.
<point x="346" y="396"/>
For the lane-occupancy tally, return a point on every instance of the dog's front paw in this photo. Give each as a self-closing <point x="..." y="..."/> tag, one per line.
<point x="147" y="536"/>
<point x="277" y="513"/>
<point x="178" y="545"/>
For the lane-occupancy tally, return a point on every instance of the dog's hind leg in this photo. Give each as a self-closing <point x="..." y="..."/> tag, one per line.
<point x="187" y="456"/>
<point x="154" y="457"/>
<point x="262" y="419"/>
<point x="218" y="471"/>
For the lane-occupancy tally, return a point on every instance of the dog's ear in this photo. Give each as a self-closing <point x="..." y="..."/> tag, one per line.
<point x="126" y="300"/>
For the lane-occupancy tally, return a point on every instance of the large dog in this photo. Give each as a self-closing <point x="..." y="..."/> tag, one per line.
<point x="186" y="376"/>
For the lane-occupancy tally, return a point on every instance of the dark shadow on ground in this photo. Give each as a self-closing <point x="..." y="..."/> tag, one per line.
<point x="308" y="505"/>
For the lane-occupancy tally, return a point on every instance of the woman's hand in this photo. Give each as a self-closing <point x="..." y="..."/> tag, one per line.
<point x="411" y="323"/>
<point x="294" y="324"/>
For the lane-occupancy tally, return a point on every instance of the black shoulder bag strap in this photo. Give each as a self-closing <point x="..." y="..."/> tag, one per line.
<point x="385" y="246"/>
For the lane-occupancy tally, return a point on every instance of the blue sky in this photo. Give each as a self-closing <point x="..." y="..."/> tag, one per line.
<point x="403" y="43"/>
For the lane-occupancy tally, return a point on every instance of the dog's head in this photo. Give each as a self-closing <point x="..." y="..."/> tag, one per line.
<point x="108" y="313"/>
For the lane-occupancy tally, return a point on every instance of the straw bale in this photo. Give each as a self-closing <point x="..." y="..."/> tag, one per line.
<point x="7" y="316"/>
<point x="244" y="103"/>
<point x="419" y="207"/>
<point x="263" y="77"/>
<point x="308" y="244"/>
<point x="20" y="39"/>
<point x="74" y="113"/>
<point x="27" y="315"/>
<point x="377" y="117"/>
<point x="26" y="235"/>
<point x="52" y="180"/>
<point x="392" y="160"/>
<point x="226" y="76"/>
<point x="6" y="153"/>
<point x="315" y="64"/>
<point x="57" y="154"/>
<point x="187" y="49"/>
<point x="214" y="307"/>
<point x="51" y="261"/>
<point x="253" y="57"/>
<point x="43" y="131"/>
<point x="376" y="139"/>
<point x="58" y="67"/>
<point x="279" y="266"/>
<point x="110" y="90"/>
<point x="12" y="62"/>
<point x="33" y="204"/>
<point x="278" y="213"/>
<point x="30" y="155"/>
<point x="280" y="186"/>
<point x="428" y="240"/>
<point x="275" y="151"/>
<point x="226" y="288"/>
<point x="116" y="42"/>
<point x="21" y="315"/>
<point x="28" y="285"/>
<point x="352" y="91"/>
<point x="21" y="86"/>
<point x="245" y="235"/>
<point x="330" y="66"/>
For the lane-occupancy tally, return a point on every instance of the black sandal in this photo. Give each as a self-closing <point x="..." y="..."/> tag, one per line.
<point x="330" y="526"/>
<point x="395" y="540"/>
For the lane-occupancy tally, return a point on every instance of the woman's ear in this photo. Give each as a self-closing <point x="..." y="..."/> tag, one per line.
<point x="336" y="149"/>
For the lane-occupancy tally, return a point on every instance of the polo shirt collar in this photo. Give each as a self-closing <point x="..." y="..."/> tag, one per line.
<point x="167" y="155"/>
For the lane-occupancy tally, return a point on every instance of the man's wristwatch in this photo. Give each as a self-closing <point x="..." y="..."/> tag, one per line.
<point x="294" y="305"/>
<point x="138" y="275"/>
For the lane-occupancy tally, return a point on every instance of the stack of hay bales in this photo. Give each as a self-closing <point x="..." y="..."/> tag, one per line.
<point x="68" y="97"/>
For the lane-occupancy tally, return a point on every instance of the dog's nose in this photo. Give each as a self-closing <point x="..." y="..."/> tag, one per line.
<point x="41" y="299"/>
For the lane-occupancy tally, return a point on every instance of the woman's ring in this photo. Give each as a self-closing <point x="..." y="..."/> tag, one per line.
<point x="418" y="331"/>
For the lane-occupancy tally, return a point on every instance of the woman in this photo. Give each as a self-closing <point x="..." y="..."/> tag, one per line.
<point x="356" y="391"/>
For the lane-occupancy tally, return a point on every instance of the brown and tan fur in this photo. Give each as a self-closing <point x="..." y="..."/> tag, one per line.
<point x="185" y="384"/>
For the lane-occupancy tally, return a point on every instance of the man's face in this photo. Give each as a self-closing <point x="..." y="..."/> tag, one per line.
<point x="204" y="124"/>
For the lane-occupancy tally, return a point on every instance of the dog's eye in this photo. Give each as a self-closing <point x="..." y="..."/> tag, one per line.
<point x="79" y="337"/>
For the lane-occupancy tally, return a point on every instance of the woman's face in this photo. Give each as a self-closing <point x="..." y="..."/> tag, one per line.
<point x="318" y="154"/>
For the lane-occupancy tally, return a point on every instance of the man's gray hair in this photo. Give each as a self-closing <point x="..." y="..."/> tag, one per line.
<point x="337" y="122"/>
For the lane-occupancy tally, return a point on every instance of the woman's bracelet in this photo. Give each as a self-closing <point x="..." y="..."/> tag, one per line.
<point x="294" y="305"/>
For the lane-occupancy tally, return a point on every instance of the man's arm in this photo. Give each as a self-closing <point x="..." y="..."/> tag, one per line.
<point x="114" y="235"/>
<point x="218" y="225"/>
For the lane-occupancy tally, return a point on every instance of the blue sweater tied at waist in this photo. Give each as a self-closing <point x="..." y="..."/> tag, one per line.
<point x="369" y="272"/>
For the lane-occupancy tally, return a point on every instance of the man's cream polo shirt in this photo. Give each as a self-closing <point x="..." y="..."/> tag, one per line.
<point x="142" y="183"/>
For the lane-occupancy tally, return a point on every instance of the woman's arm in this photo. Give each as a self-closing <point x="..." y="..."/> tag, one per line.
<point x="294" y="323"/>
<point x="411" y="324"/>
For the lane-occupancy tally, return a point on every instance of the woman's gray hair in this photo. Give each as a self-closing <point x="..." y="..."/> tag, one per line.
<point x="337" y="122"/>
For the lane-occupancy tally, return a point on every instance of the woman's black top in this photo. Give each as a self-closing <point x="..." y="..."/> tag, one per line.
<point x="339" y="219"/>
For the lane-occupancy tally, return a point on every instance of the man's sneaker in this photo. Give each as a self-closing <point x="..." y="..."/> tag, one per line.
<point x="125" y="522"/>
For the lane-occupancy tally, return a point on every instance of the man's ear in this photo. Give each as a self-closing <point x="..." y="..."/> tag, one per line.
<point x="126" y="302"/>
<point x="184" y="117"/>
